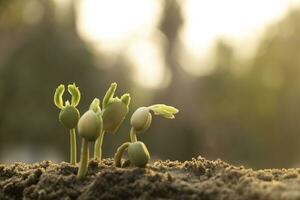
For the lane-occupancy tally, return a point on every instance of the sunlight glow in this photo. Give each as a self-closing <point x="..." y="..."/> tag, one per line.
<point x="115" y="25"/>
<point x="148" y="60"/>
<point x="240" y="22"/>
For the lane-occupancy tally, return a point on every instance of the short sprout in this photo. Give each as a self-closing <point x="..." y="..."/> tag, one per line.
<point x="90" y="125"/>
<point x="114" y="111"/>
<point x="141" y="120"/>
<point x="138" y="154"/>
<point x="89" y="128"/>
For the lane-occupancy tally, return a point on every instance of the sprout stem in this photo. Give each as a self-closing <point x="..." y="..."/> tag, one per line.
<point x="133" y="137"/>
<point x="73" y="150"/>
<point x="98" y="146"/>
<point x="119" y="153"/>
<point x="84" y="159"/>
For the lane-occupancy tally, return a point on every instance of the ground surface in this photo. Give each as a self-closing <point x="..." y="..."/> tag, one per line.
<point x="195" y="179"/>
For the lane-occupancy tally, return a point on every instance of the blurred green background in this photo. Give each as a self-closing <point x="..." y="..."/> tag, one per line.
<point x="238" y="101"/>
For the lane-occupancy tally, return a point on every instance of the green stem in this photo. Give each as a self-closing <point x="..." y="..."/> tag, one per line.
<point x="98" y="146"/>
<point x="73" y="154"/>
<point x="133" y="137"/>
<point x="119" y="153"/>
<point x="84" y="159"/>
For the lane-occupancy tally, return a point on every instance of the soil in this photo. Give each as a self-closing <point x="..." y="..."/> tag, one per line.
<point x="195" y="179"/>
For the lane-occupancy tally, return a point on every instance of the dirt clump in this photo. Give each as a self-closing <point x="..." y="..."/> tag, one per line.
<point x="195" y="179"/>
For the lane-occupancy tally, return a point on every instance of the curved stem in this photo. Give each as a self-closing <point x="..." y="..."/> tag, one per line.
<point x="133" y="137"/>
<point x="119" y="153"/>
<point x="73" y="148"/>
<point x="84" y="159"/>
<point x="98" y="146"/>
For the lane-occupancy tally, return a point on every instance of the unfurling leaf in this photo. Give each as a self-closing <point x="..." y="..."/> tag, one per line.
<point x="58" y="101"/>
<point x="109" y="95"/>
<point x="164" y="110"/>
<point x="74" y="91"/>
<point x="95" y="106"/>
<point x="125" y="98"/>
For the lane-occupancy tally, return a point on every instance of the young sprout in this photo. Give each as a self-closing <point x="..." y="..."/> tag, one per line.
<point x="141" y="120"/>
<point x="114" y="112"/>
<point x="89" y="127"/>
<point x="69" y="114"/>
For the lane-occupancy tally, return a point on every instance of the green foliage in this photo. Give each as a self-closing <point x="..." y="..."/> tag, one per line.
<point x="93" y="123"/>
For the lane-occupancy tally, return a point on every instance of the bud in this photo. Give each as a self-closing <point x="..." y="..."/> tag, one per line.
<point x="138" y="154"/>
<point x="113" y="115"/>
<point x="69" y="117"/>
<point x="90" y="125"/>
<point x="141" y="119"/>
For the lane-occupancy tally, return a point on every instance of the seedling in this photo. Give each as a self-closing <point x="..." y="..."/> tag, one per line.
<point x="89" y="128"/>
<point x="114" y="112"/>
<point x="141" y="120"/>
<point x="69" y="114"/>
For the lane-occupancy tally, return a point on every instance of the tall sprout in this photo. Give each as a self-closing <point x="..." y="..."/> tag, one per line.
<point x="69" y="114"/>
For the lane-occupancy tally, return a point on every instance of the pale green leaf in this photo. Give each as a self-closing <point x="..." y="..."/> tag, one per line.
<point x="125" y="98"/>
<point x="164" y="110"/>
<point x="109" y="95"/>
<point x="95" y="105"/>
<point x="74" y="91"/>
<point x="58" y="101"/>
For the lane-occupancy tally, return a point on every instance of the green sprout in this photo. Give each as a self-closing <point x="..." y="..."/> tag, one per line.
<point x="69" y="114"/>
<point x="113" y="114"/>
<point x="90" y="126"/>
<point x="141" y="120"/>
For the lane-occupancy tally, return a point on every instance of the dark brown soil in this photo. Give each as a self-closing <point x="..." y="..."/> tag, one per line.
<point x="196" y="179"/>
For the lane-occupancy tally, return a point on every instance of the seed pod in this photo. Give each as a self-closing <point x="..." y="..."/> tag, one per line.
<point x="113" y="115"/>
<point x="138" y="154"/>
<point x="141" y="119"/>
<point x="69" y="117"/>
<point x="90" y="125"/>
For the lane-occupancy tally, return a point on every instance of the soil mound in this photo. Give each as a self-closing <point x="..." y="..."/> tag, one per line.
<point x="195" y="179"/>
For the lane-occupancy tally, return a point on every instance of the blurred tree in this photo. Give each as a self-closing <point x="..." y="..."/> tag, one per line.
<point x="184" y="134"/>
<point x="40" y="50"/>
<point x="253" y="118"/>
